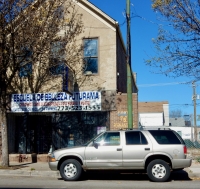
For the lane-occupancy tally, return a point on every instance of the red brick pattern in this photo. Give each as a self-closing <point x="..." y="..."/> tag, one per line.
<point x="151" y="107"/>
<point x="118" y="118"/>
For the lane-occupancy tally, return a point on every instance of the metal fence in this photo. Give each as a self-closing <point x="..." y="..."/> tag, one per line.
<point x="193" y="149"/>
<point x="191" y="144"/>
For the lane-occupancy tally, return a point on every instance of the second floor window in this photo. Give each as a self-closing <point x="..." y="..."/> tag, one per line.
<point x="57" y="57"/>
<point x="91" y="55"/>
<point x="25" y="70"/>
<point x="25" y="60"/>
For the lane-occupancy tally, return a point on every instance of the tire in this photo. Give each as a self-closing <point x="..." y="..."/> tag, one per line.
<point x="70" y="170"/>
<point x="158" y="171"/>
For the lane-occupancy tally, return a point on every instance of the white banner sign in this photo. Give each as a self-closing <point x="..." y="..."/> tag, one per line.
<point x="53" y="102"/>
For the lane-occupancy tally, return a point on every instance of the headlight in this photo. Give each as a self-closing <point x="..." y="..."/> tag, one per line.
<point x="52" y="158"/>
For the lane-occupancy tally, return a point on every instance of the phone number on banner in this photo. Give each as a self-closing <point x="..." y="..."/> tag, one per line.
<point x="79" y="108"/>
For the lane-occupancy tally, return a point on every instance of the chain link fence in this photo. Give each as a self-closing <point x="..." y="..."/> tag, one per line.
<point x="193" y="149"/>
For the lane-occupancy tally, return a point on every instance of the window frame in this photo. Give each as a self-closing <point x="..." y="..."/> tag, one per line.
<point x="56" y="65"/>
<point x="26" y="65"/>
<point x="140" y="135"/>
<point x="102" y="138"/>
<point x="91" y="57"/>
<point x="166" y="133"/>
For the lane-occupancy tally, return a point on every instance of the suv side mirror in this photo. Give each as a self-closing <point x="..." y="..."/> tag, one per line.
<point x="95" y="145"/>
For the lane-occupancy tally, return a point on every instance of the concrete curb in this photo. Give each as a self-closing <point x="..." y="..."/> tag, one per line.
<point x="15" y="172"/>
<point x="30" y="173"/>
<point x="45" y="173"/>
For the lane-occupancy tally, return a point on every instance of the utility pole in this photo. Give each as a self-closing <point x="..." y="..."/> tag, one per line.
<point x="129" y="72"/>
<point x="194" y="103"/>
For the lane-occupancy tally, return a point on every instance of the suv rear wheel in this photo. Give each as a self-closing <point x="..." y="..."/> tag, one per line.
<point x="158" y="171"/>
<point x="70" y="170"/>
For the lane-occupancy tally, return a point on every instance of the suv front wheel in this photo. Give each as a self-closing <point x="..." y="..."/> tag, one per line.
<point x="70" y="170"/>
<point x="158" y="171"/>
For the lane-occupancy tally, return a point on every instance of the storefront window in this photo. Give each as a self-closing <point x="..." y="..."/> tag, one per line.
<point x="38" y="133"/>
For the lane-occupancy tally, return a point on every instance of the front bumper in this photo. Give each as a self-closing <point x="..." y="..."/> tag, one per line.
<point x="181" y="163"/>
<point x="53" y="165"/>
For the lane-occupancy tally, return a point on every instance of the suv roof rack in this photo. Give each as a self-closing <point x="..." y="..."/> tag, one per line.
<point x="154" y="128"/>
<point x="145" y="128"/>
<point x="128" y="129"/>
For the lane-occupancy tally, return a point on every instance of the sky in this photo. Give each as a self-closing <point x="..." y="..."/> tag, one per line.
<point x="144" y="27"/>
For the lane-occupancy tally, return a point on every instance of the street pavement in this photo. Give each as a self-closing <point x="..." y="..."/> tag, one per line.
<point x="42" y="169"/>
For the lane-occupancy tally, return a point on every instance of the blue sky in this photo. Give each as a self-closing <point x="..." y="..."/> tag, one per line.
<point x="143" y="29"/>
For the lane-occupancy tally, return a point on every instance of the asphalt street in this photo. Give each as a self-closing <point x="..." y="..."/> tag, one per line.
<point x="124" y="182"/>
<point x="38" y="175"/>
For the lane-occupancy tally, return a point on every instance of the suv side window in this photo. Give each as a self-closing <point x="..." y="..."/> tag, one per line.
<point x="135" y="137"/>
<point x="165" y="137"/>
<point x="109" y="139"/>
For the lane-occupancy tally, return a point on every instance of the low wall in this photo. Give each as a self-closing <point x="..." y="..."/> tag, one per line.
<point x="28" y="158"/>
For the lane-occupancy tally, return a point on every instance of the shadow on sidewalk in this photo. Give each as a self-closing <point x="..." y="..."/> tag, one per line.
<point x="180" y="175"/>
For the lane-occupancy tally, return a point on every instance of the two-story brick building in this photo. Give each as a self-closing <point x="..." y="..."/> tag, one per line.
<point x="53" y="118"/>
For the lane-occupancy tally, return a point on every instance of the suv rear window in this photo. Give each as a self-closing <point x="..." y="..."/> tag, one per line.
<point x="165" y="137"/>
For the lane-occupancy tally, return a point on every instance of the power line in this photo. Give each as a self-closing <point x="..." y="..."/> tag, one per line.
<point x="163" y="84"/>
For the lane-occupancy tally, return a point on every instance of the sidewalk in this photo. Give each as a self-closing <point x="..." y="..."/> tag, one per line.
<point x="194" y="170"/>
<point x="42" y="169"/>
<point x="30" y="169"/>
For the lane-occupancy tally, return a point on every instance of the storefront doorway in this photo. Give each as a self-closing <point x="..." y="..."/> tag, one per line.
<point x="33" y="134"/>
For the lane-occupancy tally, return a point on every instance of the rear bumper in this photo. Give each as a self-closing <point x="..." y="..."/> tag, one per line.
<point x="181" y="163"/>
<point x="53" y="165"/>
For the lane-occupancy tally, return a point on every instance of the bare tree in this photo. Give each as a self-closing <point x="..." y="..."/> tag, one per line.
<point x="176" y="113"/>
<point x="38" y="39"/>
<point x="177" y="46"/>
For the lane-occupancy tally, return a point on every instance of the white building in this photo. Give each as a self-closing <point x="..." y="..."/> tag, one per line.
<point x="153" y="113"/>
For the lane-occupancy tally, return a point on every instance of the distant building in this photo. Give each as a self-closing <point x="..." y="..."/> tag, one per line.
<point x="184" y="132"/>
<point x="153" y="113"/>
<point x="179" y="122"/>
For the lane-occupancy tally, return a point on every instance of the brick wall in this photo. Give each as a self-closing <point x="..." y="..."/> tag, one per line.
<point x="151" y="107"/>
<point x="118" y="118"/>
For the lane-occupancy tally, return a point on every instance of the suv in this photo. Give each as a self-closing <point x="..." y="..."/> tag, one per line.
<point x="156" y="151"/>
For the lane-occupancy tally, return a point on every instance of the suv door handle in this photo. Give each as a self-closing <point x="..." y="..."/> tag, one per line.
<point x="119" y="149"/>
<point x="147" y="148"/>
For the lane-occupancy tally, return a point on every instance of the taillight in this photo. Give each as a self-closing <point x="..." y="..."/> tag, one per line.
<point x="185" y="149"/>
